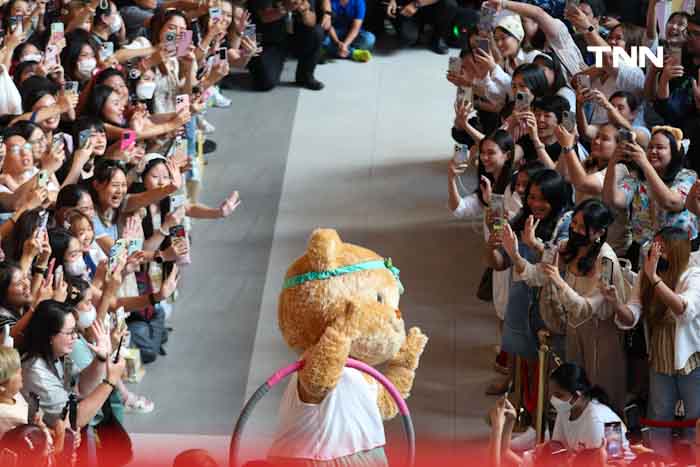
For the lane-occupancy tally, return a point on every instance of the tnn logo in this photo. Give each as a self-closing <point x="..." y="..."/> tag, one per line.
<point x="637" y="56"/>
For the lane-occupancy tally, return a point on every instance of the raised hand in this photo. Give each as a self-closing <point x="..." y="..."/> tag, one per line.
<point x="230" y="204"/>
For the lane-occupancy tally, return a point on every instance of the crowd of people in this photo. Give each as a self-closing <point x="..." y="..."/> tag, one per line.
<point x="587" y="183"/>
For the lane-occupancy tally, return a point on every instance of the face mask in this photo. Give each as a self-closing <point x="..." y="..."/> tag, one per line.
<point x="577" y="240"/>
<point x="76" y="268"/>
<point x="145" y="90"/>
<point x="116" y="25"/>
<point x="662" y="265"/>
<point x="31" y="58"/>
<point x="86" y="66"/>
<point x="86" y="318"/>
<point x="561" y="406"/>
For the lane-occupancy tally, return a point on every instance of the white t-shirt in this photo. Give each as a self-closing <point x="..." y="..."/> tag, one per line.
<point x="12" y="415"/>
<point x="346" y="422"/>
<point x="588" y="430"/>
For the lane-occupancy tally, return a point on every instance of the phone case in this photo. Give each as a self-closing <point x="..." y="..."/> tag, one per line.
<point x="454" y="64"/>
<point x="183" y="44"/>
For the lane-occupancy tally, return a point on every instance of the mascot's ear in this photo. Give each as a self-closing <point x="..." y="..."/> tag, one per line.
<point x="324" y="247"/>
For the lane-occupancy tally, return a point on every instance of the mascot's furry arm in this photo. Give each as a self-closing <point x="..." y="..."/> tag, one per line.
<point x="401" y="371"/>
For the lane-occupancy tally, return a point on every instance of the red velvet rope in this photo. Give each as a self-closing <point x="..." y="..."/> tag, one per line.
<point x="671" y="424"/>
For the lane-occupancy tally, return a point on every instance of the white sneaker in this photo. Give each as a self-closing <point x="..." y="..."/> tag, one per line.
<point x="220" y="100"/>
<point x="206" y="127"/>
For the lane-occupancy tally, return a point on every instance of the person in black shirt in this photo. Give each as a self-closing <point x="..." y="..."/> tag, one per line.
<point x="409" y="17"/>
<point x="286" y="27"/>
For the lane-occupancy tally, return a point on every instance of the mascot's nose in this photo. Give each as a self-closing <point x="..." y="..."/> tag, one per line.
<point x="398" y="313"/>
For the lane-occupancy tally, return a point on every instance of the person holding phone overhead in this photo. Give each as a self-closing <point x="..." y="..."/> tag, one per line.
<point x="655" y="191"/>
<point x="666" y="296"/>
<point x="571" y="306"/>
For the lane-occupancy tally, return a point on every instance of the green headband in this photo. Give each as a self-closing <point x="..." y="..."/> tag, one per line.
<point x="322" y="275"/>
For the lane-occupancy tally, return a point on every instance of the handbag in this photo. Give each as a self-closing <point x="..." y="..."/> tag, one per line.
<point x="485" y="290"/>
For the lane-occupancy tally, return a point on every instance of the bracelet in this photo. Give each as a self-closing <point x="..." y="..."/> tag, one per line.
<point x="566" y="149"/>
<point x="327" y="13"/>
<point x="101" y="358"/>
<point x="539" y="146"/>
<point x="39" y="270"/>
<point x="109" y="383"/>
<point x="655" y="284"/>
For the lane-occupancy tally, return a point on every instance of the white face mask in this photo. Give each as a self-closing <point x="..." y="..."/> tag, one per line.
<point x="561" y="406"/>
<point x="86" y="318"/>
<point x="145" y="90"/>
<point x="31" y="58"/>
<point x="116" y="25"/>
<point x="76" y="268"/>
<point x="86" y="66"/>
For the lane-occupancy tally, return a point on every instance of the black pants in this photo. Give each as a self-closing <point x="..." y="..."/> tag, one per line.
<point x="305" y="44"/>
<point x="439" y="15"/>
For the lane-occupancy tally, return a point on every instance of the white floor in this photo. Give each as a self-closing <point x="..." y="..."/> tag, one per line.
<point x="368" y="156"/>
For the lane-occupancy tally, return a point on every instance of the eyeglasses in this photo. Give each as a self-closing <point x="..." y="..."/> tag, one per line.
<point x="71" y="333"/>
<point x="37" y="142"/>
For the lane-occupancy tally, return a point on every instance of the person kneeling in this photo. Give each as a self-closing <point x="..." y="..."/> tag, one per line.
<point x="346" y="38"/>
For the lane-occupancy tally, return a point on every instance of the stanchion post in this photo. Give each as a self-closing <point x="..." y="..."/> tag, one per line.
<point x="541" y="380"/>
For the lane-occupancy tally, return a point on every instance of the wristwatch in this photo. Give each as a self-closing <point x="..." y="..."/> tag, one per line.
<point x="566" y="149"/>
<point x="591" y="28"/>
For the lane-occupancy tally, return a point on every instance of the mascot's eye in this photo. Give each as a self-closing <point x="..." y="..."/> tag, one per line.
<point x="380" y="299"/>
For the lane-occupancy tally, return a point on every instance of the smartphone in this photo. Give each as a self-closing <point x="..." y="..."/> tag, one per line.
<point x="57" y="32"/>
<point x="33" y="406"/>
<point x="549" y="254"/>
<point x="522" y="101"/>
<point x="119" y="349"/>
<point x="676" y="54"/>
<point x="215" y="15"/>
<point x="613" y="436"/>
<point x="484" y="44"/>
<point x="43" y="178"/>
<point x="84" y="137"/>
<point x="178" y="231"/>
<point x="106" y="50"/>
<point x="223" y="51"/>
<point x="16" y="24"/>
<point x="135" y="244"/>
<point x="454" y="65"/>
<point x="467" y="94"/>
<point x="182" y="102"/>
<point x="171" y="43"/>
<point x="498" y="211"/>
<point x="606" y="274"/>
<point x="177" y="201"/>
<point x="116" y="251"/>
<point x="51" y="57"/>
<point x="584" y="81"/>
<point x="183" y="43"/>
<point x="249" y="31"/>
<point x="461" y="154"/>
<point x="71" y="86"/>
<point x="128" y="139"/>
<point x="43" y="222"/>
<point x="486" y="18"/>
<point x="624" y="136"/>
<point x="57" y="276"/>
<point x="568" y="120"/>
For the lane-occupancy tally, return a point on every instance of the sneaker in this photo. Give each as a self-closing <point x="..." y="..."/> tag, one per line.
<point x="220" y="100"/>
<point x="138" y="404"/>
<point x="206" y="127"/>
<point x="438" y="46"/>
<point x="361" y="55"/>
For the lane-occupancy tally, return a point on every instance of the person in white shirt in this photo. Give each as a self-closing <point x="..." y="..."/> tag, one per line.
<point x="582" y="413"/>
<point x="666" y="296"/>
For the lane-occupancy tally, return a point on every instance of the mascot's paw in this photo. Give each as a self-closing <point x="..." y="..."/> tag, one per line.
<point x="411" y="350"/>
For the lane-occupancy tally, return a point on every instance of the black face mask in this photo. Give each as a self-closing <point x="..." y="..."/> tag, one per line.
<point x="662" y="265"/>
<point x="577" y="240"/>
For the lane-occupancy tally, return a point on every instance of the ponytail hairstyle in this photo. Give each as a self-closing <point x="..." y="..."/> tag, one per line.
<point x="572" y="378"/>
<point x="504" y="141"/>
<point x="596" y="216"/>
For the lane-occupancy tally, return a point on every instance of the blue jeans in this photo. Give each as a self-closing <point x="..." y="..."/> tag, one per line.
<point x="149" y="336"/>
<point x="364" y="41"/>
<point x="664" y="392"/>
